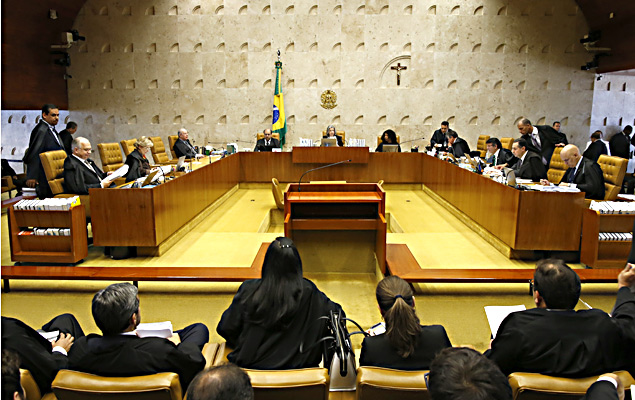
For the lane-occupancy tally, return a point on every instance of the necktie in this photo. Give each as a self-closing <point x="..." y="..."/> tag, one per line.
<point x="267" y="143"/>
<point x="494" y="159"/>
<point x="90" y="167"/>
<point x="534" y="139"/>
<point x="572" y="176"/>
<point x="57" y="136"/>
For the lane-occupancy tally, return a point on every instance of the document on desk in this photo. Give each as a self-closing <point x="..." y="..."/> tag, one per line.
<point x="555" y="188"/>
<point x="155" y="329"/>
<point x="496" y="315"/>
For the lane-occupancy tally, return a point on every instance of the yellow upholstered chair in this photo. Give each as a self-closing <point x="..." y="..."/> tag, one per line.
<point x="379" y="139"/>
<point x="383" y="383"/>
<point x="277" y="193"/>
<point x="53" y="164"/>
<point x="171" y="140"/>
<point x="128" y="146"/>
<point x="7" y="185"/>
<point x="110" y="154"/>
<point x="158" y="150"/>
<point x="338" y="133"/>
<point x="507" y="142"/>
<point x="557" y="167"/>
<point x="614" y="169"/>
<point x="532" y="386"/>
<point x="31" y="390"/>
<point x="481" y="145"/>
<point x="73" y="385"/>
<point x="261" y="135"/>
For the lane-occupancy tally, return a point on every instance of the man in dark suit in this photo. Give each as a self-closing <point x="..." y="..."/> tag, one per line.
<point x="563" y="137"/>
<point x="67" y="136"/>
<point x="439" y="138"/>
<point x="554" y="339"/>
<point x="183" y="147"/>
<point x="528" y="164"/>
<point x="457" y="146"/>
<point x="583" y="173"/>
<point x="80" y="172"/>
<point x="499" y="155"/>
<point x="541" y="139"/>
<point x="43" y="138"/>
<point x="620" y="143"/>
<point x="268" y="142"/>
<point x="41" y="357"/>
<point x="120" y="352"/>
<point x="596" y="148"/>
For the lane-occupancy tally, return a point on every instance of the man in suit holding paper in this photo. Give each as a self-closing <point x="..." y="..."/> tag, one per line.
<point x="120" y="352"/>
<point x="554" y="339"/>
<point x="80" y="172"/>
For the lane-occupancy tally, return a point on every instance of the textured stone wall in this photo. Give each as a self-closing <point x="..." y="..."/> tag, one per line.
<point x="613" y="102"/>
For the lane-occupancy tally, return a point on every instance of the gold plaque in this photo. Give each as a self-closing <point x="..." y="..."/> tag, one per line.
<point x="329" y="99"/>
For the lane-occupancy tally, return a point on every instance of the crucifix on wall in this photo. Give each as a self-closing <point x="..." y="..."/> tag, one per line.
<point x="399" y="68"/>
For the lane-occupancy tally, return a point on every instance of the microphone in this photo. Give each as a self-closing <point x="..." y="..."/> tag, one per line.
<point x="315" y="169"/>
<point x="412" y="140"/>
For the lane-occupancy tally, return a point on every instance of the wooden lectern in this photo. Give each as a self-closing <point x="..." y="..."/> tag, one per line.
<point x="338" y="207"/>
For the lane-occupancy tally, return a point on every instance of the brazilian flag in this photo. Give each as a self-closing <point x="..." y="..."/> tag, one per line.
<point x="279" y="119"/>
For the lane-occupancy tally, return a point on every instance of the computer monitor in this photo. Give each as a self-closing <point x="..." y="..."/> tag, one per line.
<point x="389" y="148"/>
<point x="329" y="142"/>
<point x="511" y="176"/>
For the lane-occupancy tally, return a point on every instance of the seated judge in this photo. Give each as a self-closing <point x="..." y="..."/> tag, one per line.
<point x="120" y="352"/>
<point x="554" y="339"/>
<point x="80" y="172"/>
<point x="499" y="155"/>
<point x="457" y="146"/>
<point x="406" y="344"/>
<point x="596" y="147"/>
<point x="388" y="137"/>
<point x="137" y="161"/>
<point x="529" y="164"/>
<point x="582" y="173"/>
<point x="330" y="132"/>
<point x="271" y="317"/>
<point x="183" y="147"/>
<point x="268" y="142"/>
<point x="439" y="138"/>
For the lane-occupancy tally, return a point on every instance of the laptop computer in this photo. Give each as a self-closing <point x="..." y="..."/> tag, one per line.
<point x="329" y="142"/>
<point x="511" y="177"/>
<point x="389" y="148"/>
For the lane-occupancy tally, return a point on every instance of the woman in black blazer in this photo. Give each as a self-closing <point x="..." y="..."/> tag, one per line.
<point x="330" y="132"/>
<point x="406" y="344"/>
<point x="388" y="137"/>
<point x="137" y="161"/>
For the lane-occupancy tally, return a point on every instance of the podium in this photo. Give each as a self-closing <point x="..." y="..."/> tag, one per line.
<point x="345" y="213"/>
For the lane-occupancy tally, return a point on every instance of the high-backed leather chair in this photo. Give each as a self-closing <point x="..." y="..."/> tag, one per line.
<point x="338" y="133"/>
<point x="532" y="386"/>
<point x="31" y="389"/>
<point x="379" y="139"/>
<point x="158" y="150"/>
<point x="557" y="167"/>
<point x="7" y="185"/>
<point x="261" y="135"/>
<point x="277" y="193"/>
<point x="128" y="146"/>
<point x="375" y="383"/>
<point x="481" y="145"/>
<point x="53" y="164"/>
<point x="507" y="142"/>
<point x="171" y="140"/>
<point x="110" y="154"/>
<point x="73" y="385"/>
<point x="614" y="169"/>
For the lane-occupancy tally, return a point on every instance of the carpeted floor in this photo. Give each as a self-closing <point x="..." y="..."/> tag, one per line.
<point x="229" y="237"/>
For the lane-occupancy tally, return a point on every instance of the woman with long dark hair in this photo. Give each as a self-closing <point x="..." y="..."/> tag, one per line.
<point x="271" y="317"/>
<point x="388" y="137"/>
<point x="406" y="344"/>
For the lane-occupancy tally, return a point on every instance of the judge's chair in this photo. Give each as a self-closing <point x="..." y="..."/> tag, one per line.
<point x="507" y="142"/>
<point x="158" y="151"/>
<point x="31" y="389"/>
<point x="291" y="384"/>
<point x="278" y="196"/>
<point x="110" y="155"/>
<point x="613" y="169"/>
<point x="338" y="133"/>
<point x="73" y="385"/>
<point x="171" y="141"/>
<point x="532" y="386"/>
<point x="557" y="167"/>
<point x="379" y="140"/>
<point x="53" y="163"/>
<point x="375" y="383"/>
<point x="481" y="145"/>
<point x="7" y="185"/>
<point x="128" y="146"/>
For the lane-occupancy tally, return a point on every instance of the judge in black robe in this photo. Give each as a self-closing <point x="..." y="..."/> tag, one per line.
<point x="268" y="145"/>
<point x="584" y="173"/>
<point x="595" y="150"/>
<point x="80" y="172"/>
<point x="457" y="147"/>
<point x="545" y="140"/>
<point x="620" y="143"/>
<point x="498" y="154"/>
<point x="529" y="164"/>
<point x="137" y="162"/>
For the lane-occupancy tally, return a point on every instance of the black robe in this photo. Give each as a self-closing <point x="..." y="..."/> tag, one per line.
<point x="138" y="164"/>
<point x="532" y="168"/>
<point x="182" y="148"/>
<point x="549" y="138"/>
<point x="588" y="178"/>
<point x="620" y="145"/>
<point x="380" y="148"/>
<point x="78" y="178"/>
<point x="505" y="156"/>
<point x="273" y="143"/>
<point x="595" y="150"/>
<point x="42" y="140"/>
<point x="459" y="148"/>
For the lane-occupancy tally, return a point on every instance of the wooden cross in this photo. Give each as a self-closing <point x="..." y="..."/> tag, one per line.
<point x="398" y="68"/>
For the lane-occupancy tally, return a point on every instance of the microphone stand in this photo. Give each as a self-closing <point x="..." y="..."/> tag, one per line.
<point x="315" y="169"/>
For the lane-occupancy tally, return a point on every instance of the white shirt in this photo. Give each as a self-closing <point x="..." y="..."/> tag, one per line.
<point x="535" y="134"/>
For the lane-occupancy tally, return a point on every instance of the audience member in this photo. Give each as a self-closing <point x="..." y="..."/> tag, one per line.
<point x="457" y="146"/>
<point x="499" y="155"/>
<point x="11" y="387"/>
<point x="439" y="138"/>
<point x="268" y="142"/>
<point x="459" y="373"/>
<point x="529" y="164"/>
<point x="582" y="173"/>
<point x="270" y="318"/>
<point x="120" y="352"/>
<point x="388" y="137"/>
<point x="19" y="183"/>
<point x="224" y="382"/>
<point x="183" y="147"/>
<point x="596" y="147"/>
<point x="137" y="162"/>
<point x="406" y="344"/>
<point x="553" y="339"/>
<point x="541" y="139"/>
<point x="330" y="132"/>
<point x="620" y="143"/>
<point x="80" y="172"/>
<point x="43" y="138"/>
<point x="41" y="357"/>
<point x="67" y="137"/>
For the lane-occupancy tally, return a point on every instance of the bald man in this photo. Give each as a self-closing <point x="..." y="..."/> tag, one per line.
<point x="583" y="173"/>
<point x="541" y="139"/>
<point x="183" y="147"/>
<point x="80" y="172"/>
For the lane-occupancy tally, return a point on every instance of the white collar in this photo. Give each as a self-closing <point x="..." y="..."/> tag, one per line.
<point x="522" y="159"/>
<point x="578" y="164"/>
<point x="534" y="131"/>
